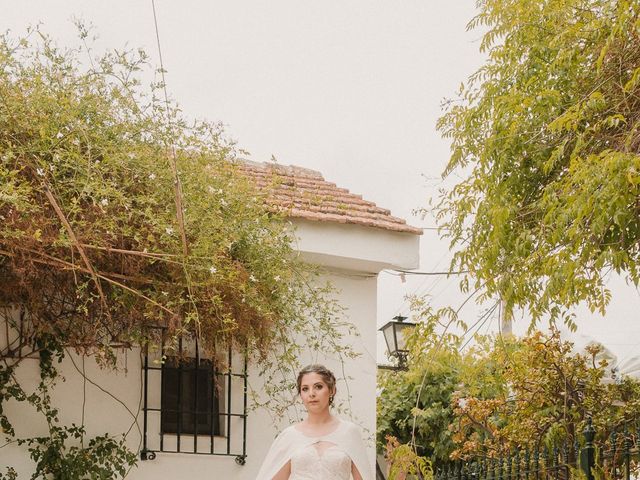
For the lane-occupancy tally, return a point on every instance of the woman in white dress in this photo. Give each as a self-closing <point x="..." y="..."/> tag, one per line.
<point x="322" y="447"/>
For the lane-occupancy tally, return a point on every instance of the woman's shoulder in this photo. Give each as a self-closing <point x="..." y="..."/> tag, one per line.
<point x="289" y="430"/>
<point x="349" y="427"/>
<point x="349" y="424"/>
<point x="292" y="430"/>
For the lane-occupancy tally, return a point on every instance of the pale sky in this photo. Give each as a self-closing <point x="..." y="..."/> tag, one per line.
<point x="351" y="88"/>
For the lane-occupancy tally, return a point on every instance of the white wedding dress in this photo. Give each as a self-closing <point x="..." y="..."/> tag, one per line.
<point x="327" y="457"/>
<point x="310" y="464"/>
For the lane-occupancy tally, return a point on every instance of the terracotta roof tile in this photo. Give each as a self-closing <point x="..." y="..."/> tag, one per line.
<point x="304" y="193"/>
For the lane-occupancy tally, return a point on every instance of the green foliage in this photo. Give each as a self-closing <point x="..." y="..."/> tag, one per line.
<point x="416" y="408"/>
<point x="547" y="394"/>
<point x="116" y="213"/>
<point x="96" y="238"/>
<point x="65" y="452"/>
<point x="421" y="396"/>
<point x="502" y="395"/>
<point x="405" y="464"/>
<point x="103" y="458"/>
<point x="546" y="137"/>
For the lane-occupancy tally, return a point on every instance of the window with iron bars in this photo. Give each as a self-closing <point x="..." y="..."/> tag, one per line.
<point x="16" y="334"/>
<point x="192" y="404"/>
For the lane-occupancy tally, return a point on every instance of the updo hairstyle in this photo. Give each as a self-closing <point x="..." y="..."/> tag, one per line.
<point x="327" y="376"/>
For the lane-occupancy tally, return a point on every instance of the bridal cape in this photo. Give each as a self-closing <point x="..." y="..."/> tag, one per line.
<point x="346" y="437"/>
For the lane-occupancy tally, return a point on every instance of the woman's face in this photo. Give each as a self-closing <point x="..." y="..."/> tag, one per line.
<point x="314" y="392"/>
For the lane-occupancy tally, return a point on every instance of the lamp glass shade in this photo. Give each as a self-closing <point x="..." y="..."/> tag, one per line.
<point x="403" y="330"/>
<point x="389" y="337"/>
<point x="395" y="335"/>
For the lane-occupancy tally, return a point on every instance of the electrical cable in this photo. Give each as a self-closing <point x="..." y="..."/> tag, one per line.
<point x="437" y="347"/>
<point x="483" y="318"/>
<point x="421" y="285"/>
<point x="134" y="416"/>
<point x="413" y="272"/>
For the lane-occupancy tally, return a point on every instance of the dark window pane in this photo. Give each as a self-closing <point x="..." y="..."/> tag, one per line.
<point x="189" y="397"/>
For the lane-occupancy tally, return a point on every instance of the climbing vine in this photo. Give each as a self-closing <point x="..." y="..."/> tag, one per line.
<point x="118" y="214"/>
<point x="64" y="452"/>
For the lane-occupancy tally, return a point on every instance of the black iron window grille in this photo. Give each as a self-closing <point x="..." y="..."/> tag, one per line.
<point x="16" y="336"/>
<point x="194" y="405"/>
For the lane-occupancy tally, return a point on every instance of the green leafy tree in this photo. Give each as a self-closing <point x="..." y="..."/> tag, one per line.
<point x="416" y="408"/>
<point x="117" y="213"/>
<point x="423" y="423"/>
<point x="500" y="396"/>
<point x="545" y="393"/>
<point x="546" y="139"/>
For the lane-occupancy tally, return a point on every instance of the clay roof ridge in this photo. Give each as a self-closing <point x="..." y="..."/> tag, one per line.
<point x="287" y="170"/>
<point x="304" y="193"/>
<point x="333" y="203"/>
<point x="345" y="213"/>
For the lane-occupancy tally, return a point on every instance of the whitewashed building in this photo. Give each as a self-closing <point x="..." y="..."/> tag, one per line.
<point x="351" y="238"/>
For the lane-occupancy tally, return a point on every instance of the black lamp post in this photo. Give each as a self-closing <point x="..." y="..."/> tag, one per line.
<point x="395" y="334"/>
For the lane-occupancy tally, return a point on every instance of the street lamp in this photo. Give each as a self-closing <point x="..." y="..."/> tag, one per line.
<point x="395" y="335"/>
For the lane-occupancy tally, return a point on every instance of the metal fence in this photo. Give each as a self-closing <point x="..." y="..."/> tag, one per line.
<point x="616" y="458"/>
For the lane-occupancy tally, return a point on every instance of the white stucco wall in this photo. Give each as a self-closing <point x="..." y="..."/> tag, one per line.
<point x="104" y="414"/>
<point x="356" y="287"/>
<point x="356" y="247"/>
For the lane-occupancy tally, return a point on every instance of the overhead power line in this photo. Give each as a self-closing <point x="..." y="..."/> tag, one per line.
<point x="413" y="272"/>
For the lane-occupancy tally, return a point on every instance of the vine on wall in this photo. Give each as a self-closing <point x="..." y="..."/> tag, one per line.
<point x="97" y="243"/>
<point x="65" y="451"/>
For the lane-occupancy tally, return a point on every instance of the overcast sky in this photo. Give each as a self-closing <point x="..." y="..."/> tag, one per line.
<point x="351" y="88"/>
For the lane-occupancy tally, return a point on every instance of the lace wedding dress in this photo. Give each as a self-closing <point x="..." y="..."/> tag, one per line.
<point x="310" y="464"/>
<point x="328" y="457"/>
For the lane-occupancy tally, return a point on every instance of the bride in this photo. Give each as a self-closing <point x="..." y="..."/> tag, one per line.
<point x="322" y="447"/>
